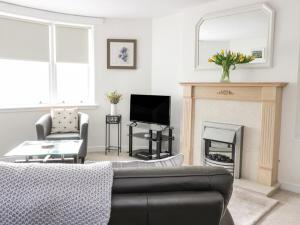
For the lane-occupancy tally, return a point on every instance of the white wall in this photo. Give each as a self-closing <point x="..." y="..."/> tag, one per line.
<point x="125" y="81"/>
<point x="178" y="32"/>
<point x="16" y="127"/>
<point x="166" y="69"/>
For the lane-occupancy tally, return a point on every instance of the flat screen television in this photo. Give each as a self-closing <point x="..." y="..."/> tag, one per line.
<point x="150" y="109"/>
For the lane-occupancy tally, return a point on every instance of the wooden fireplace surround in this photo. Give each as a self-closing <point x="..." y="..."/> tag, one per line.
<point x="270" y="96"/>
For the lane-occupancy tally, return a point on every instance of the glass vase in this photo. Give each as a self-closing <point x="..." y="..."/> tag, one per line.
<point x="225" y="78"/>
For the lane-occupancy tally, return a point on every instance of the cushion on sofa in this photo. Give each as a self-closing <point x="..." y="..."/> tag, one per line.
<point x="63" y="136"/>
<point x="173" y="161"/>
<point x="64" y="120"/>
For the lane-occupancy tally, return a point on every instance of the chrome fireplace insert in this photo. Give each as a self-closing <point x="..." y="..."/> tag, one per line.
<point x="222" y="146"/>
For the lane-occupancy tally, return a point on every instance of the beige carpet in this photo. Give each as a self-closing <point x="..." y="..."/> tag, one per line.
<point x="247" y="208"/>
<point x="111" y="156"/>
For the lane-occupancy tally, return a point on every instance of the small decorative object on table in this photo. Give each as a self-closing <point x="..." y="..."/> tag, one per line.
<point x="114" y="98"/>
<point x="109" y="120"/>
<point x="228" y="59"/>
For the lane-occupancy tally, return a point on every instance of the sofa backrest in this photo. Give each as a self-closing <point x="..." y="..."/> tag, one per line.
<point x="177" y="196"/>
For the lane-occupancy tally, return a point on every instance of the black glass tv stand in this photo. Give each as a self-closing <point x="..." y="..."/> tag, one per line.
<point x="155" y="134"/>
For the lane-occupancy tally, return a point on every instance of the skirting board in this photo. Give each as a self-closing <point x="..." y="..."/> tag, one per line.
<point x="290" y="187"/>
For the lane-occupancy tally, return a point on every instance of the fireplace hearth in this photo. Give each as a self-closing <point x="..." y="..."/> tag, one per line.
<point x="222" y="146"/>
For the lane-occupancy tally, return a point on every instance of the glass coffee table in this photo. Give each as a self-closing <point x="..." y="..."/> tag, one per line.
<point x="47" y="151"/>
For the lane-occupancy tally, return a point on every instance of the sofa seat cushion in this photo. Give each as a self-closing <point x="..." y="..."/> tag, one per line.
<point x="63" y="136"/>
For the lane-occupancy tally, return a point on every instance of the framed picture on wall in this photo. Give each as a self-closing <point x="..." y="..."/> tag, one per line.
<point x="259" y="54"/>
<point x="121" y="54"/>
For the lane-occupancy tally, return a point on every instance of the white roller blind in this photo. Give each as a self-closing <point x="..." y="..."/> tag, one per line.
<point x="24" y="40"/>
<point x="72" y="44"/>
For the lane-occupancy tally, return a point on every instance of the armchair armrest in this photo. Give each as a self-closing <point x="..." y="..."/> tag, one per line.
<point x="43" y="126"/>
<point x="83" y="126"/>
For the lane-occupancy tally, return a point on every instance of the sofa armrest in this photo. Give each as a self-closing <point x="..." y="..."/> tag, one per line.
<point x="83" y="126"/>
<point x="196" y="178"/>
<point x="43" y="127"/>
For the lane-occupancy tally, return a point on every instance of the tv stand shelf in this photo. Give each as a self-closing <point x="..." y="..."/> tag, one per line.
<point x="154" y="134"/>
<point x="141" y="135"/>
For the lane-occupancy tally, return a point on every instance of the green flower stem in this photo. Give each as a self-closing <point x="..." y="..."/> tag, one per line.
<point x="225" y="75"/>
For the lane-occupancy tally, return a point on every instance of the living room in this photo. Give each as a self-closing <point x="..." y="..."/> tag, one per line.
<point x="71" y="55"/>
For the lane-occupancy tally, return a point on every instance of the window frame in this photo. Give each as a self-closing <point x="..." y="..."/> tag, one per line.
<point x="53" y="102"/>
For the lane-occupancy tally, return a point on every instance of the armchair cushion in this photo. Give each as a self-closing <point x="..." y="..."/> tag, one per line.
<point x="63" y="136"/>
<point x="64" y="120"/>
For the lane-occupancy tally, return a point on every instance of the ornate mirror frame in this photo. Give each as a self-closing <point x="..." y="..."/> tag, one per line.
<point x="270" y="42"/>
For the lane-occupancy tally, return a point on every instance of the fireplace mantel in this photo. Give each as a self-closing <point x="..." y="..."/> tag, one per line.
<point x="269" y="94"/>
<point x="234" y="84"/>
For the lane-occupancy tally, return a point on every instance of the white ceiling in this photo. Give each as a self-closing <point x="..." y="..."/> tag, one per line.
<point x="111" y="8"/>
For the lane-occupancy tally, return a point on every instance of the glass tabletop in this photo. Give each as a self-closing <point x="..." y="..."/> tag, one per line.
<point x="40" y="148"/>
<point x="154" y="127"/>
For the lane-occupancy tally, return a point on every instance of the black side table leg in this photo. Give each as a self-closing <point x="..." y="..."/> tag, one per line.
<point x="118" y="148"/>
<point x="120" y="135"/>
<point x="170" y="141"/>
<point x="108" y="147"/>
<point x="106" y="139"/>
<point x="158" y="143"/>
<point x="150" y="144"/>
<point x="130" y="141"/>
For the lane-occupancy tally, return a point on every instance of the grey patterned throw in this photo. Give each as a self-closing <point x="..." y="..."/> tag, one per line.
<point x="55" y="194"/>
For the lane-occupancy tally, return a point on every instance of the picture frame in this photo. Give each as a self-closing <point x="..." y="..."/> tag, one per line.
<point x="259" y="54"/>
<point x="121" y="53"/>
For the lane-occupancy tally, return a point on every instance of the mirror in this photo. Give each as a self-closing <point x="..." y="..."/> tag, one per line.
<point x="248" y="30"/>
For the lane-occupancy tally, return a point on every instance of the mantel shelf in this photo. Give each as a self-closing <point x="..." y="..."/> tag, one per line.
<point x="234" y="84"/>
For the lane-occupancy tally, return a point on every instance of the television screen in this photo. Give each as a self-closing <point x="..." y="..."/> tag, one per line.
<point x="150" y="109"/>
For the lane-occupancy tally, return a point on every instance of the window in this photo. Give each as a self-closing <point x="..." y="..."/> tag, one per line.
<point x="45" y="64"/>
<point x="23" y="82"/>
<point x="72" y="64"/>
<point x="72" y="82"/>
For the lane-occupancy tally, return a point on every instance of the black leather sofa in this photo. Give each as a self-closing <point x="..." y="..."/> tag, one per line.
<point x="174" y="196"/>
